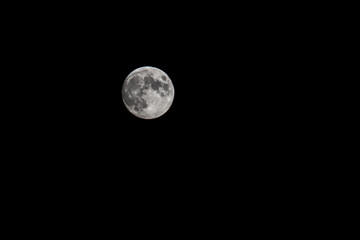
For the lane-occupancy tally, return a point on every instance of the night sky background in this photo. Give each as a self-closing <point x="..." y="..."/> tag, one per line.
<point x="232" y="126"/>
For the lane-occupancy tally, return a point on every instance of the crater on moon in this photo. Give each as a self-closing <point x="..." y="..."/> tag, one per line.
<point x="148" y="92"/>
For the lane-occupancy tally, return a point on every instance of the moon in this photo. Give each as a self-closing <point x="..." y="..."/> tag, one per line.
<point x="148" y="92"/>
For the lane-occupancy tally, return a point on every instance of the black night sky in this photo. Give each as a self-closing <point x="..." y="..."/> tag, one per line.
<point x="232" y="124"/>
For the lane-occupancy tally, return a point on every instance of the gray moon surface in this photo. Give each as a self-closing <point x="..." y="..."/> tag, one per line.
<point x="148" y="92"/>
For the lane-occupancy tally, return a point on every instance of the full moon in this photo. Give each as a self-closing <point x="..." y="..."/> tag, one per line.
<point x="148" y="92"/>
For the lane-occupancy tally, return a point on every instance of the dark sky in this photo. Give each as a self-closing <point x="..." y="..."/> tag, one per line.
<point x="232" y="117"/>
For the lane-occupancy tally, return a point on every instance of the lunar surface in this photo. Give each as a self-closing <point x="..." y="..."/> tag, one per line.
<point x="148" y="92"/>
